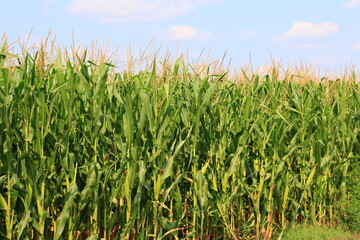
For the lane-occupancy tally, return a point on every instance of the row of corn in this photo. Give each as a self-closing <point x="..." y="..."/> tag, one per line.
<point x="90" y="153"/>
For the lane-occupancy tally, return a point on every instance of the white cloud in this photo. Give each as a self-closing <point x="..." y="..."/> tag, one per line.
<point x="184" y="32"/>
<point x="246" y="35"/>
<point x="303" y="29"/>
<point x="123" y="11"/>
<point x="357" y="46"/>
<point x="352" y="4"/>
<point x="48" y="5"/>
<point x="48" y="1"/>
<point x="309" y="45"/>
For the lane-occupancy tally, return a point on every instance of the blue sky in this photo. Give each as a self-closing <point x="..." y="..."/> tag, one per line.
<point x="319" y="32"/>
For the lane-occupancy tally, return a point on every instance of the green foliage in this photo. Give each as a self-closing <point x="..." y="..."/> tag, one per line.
<point x="316" y="232"/>
<point x="87" y="152"/>
<point x="349" y="208"/>
<point x="354" y="205"/>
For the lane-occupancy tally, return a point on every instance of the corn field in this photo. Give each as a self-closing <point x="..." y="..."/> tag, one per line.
<point x="88" y="152"/>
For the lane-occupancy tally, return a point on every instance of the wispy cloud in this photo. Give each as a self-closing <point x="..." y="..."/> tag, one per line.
<point x="352" y="4"/>
<point x="357" y="46"/>
<point x="308" y="45"/>
<point x="48" y="5"/>
<point x="124" y="11"/>
<point x="246" y="34"/>
<point x="48" y="1"/>
<point x="184" y="32"/>
<point x="303" y="29"/>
